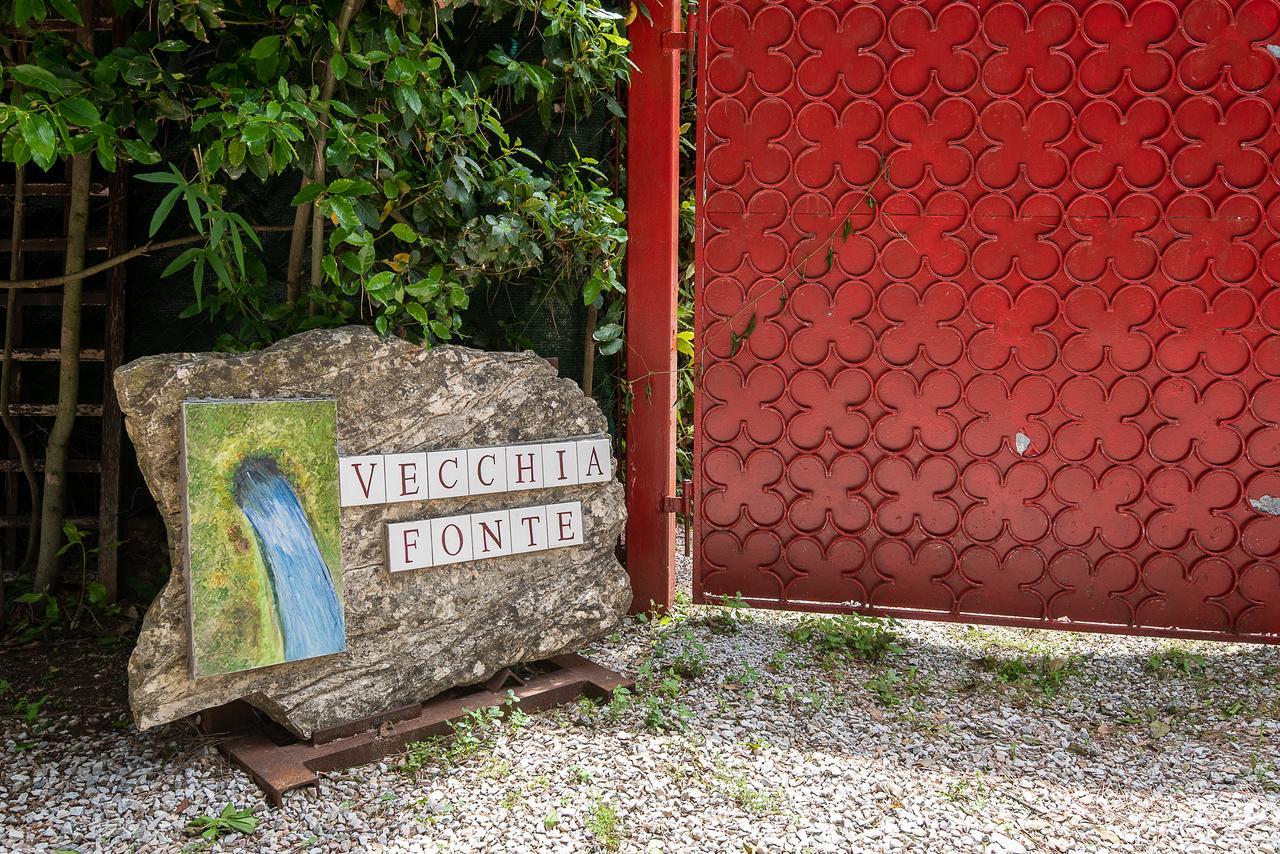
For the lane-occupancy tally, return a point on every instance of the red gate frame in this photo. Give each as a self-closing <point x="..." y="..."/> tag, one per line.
<point x="653" y="170"/>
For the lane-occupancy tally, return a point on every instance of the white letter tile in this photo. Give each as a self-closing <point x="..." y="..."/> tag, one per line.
<point x="594" y="465"/>
<point x="490" y="534"/>
<point x="529" y="529"/>
<point x="406" y="476"/>
<point x="488" y="469"/>
<point x="451" y="539"/>
<point x="564" y="524"/>
<point x="408" y="545"/>
<point x="447" y="474"/>
<point x="559" y="464"/>
<point x="360" y="480"/>
<point x="524" y="467"/>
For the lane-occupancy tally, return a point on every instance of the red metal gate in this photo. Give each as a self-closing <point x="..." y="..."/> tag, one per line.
<point x="989" y="311"/>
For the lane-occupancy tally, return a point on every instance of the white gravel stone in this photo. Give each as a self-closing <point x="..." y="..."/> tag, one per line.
<point x="800" y="758"/>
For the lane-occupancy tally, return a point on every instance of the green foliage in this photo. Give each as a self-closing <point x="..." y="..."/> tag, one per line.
<point x="842" y="638"/>
<point x="1177" y="660"/>
<point x="230" y="820"/>
<point x="474" y="734"/>
<point x="425" y="193"/>
<point x="605" y="825"/>
<point x="728" y="619"/>
<point x="1048" y="673"/>
<point x="41" y="614"/>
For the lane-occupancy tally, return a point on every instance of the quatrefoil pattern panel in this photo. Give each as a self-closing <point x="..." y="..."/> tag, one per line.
<point x="988" y="311"/>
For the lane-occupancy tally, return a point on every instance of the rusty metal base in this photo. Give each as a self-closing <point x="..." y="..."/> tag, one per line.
<point x="279" y="762"/>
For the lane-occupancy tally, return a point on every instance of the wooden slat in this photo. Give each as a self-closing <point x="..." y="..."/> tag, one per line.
<point x="53" y="354"/>
<point x="88" y="410"/>
<point x="53" y="296"/>
<point x="87" y="523"/>
<point x="74" y="466"/>
<point x="50" y="189"/>
<point x="95" y="243"/>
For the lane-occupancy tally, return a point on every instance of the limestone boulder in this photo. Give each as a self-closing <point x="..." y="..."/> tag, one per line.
<point x="410" y="635"/>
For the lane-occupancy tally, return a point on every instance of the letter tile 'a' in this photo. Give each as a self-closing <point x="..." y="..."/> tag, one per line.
<point x="594" y="465"/>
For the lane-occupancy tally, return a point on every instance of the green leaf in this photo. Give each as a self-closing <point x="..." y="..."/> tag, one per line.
<point x="404" y="232"/>
<point x="78" y="111"/>
<point x="36" y="77"/>
<point x="182" y="261"/>
<point x="307" y="194"/>
<point x="418" y="313"/>
<point x="339" y="66"/>
<point x="610" y="347"/>
<point x="140" y="152"/>
<point x="163" y="209"/>
<point x="265" y="47"/>
<point x="68" y="10"/>
<point x="608" y="332"/>
<point x="40" y="137"/>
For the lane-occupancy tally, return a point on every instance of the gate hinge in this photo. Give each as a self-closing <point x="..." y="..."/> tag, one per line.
<point x="682" y="40"/>
<point x="680" y="503"/>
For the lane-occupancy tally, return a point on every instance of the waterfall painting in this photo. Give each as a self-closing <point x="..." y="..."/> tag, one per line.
<point x="264" y="573"/>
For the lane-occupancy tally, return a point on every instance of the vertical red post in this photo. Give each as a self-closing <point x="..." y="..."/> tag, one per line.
<point x="653" y="175"/>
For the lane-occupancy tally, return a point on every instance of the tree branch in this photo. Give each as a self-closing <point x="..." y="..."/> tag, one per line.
<point x="123" y="257"/>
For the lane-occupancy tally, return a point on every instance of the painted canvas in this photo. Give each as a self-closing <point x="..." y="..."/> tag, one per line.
<point x="264" y="572"/>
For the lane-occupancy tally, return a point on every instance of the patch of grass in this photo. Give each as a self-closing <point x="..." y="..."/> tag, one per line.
<point x="472" y="735"/>
<point x="1048" y="673"/>
<point x="230" y="820"/>
<point x="890" y="689"/>
<point x="1177" y="660"/>
<point x="737" y="788"/>
<point x="604" y="824"/>
<point x="839" y="639"/>
<point x="31" y="711"/>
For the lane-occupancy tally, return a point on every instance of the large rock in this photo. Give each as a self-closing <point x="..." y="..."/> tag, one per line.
<point x="415" y="634"/>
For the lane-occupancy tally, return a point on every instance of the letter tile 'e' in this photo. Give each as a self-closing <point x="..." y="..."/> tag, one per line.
<point x="451" y="540"/>
<point x="524" y="467"/>
<point x="488" y="470"/>
<point x="528" y="529"/>
<point x="360" y="480"/>
<point x="408" y="545"/>
<point x="564" y="524"/>
<point x="594" y="465"/>
<point x="406" y="476"/>
<point x="490" y="534"/>
<point x="447" y="474"/>
<point x="559" y="464"/>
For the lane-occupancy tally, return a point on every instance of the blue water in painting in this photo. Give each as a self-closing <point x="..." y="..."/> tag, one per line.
<point x="301" y="585"/>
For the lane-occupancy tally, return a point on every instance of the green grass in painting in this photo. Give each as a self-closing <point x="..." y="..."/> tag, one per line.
<point x="233" y="621"/>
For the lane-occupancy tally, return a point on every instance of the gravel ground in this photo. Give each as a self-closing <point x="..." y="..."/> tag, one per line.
<point x="968" y="739"/>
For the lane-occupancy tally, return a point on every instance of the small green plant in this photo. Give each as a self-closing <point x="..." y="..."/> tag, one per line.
<point x="732" y="614"/>
<point x="890" y="689"/>
<point x="1177" y="660"/>
<point x="620" y="702"/>
<point x="230" y="820"/>
<point x="777" y="662"/>
<point x="31" y="711"/>
<point x="1048" y="673"/>
<point x="551" y="820"/>
<point x="839" y="639"/>
<point x="738" y="789"/>
<point x="604" y="824"/>
<point x="475" y="733"/>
